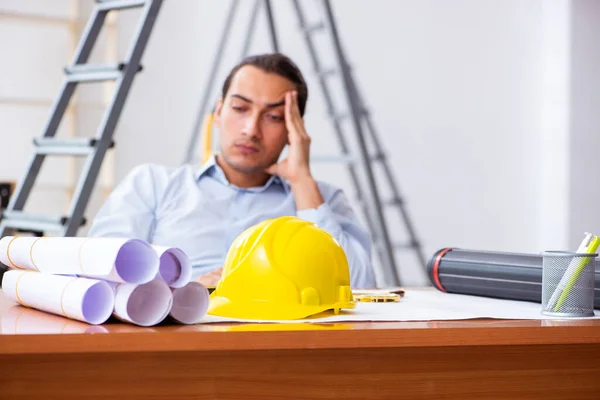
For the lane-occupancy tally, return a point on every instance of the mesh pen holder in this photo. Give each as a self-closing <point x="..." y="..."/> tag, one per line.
<point x="568" y="284"/>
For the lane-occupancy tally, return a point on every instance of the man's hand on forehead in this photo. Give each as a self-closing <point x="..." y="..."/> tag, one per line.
<point x="295" y="168"/>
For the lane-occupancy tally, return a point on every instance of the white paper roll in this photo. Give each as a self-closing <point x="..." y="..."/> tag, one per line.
<point x="18" y="320"/>
<point x="112" y="259"/>
<point x="83" y="299"/>
<point x="174" y="267"/>
<point x="190" y="303"/>
<point x="145" y="305"/>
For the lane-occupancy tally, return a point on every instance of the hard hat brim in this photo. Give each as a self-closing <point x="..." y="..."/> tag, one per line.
<point x="258" y="310"/>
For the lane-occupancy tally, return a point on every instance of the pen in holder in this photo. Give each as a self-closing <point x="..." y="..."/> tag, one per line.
<point x="568" y="284"/>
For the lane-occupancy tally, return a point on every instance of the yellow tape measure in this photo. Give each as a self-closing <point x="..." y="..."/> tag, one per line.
<point x="377" y="296"/>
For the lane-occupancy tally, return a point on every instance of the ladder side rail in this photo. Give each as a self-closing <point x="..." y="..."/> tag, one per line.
<point x="322" y="78"/>
<point x="397" y="198"/>
<point x="58" y="108"/>
<point x="271" y="25"/>
<point x="193" y="142"/>
<point x="250" y="29"/>
<point x="111" y="116"/>
<point x="356" y="111"/>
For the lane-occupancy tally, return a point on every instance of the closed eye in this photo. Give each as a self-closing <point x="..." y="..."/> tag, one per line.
<point x="275" y="117"/>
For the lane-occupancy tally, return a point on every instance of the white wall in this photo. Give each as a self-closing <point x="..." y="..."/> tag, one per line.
<point x="585" y="120"/>
<point x="569" y="123"/>
<point x="553" y="139"/>
<point x="463" y="93"/>
<point x="454" y="87"/>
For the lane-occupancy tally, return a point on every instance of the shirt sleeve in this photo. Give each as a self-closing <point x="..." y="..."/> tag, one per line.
<point x="129" y="210"/>
<point x="337" y="217"/>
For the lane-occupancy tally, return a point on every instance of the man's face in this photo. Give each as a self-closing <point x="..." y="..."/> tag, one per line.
<point x="251" y="120"/>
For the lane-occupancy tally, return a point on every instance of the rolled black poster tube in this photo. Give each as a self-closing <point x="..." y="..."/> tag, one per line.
<point x="502" y="275"/>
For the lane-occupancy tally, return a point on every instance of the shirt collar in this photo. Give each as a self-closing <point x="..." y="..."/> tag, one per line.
<point x="212" y="169"/>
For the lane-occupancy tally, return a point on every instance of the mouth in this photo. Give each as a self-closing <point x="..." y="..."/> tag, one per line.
<point x="246" y="149"/>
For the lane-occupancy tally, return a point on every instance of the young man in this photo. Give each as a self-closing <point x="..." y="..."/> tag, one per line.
<point x="203" y="210"/>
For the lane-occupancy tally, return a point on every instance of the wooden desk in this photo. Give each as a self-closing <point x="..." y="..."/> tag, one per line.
<point x="483" y="359"/>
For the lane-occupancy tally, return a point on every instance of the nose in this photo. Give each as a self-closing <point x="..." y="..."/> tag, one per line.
<point x="251" y="126"/>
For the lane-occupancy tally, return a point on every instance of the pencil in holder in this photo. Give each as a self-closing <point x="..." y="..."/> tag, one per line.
<point x="568" y="284"/>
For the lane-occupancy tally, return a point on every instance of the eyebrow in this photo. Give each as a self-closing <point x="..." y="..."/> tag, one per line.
<point x="247" y="100"/>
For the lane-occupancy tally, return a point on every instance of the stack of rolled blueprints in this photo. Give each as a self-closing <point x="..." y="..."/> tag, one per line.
<point x="92" y="279"/>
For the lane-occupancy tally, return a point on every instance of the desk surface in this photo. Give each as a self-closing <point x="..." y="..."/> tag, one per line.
<point x="44" y="356"/>
<point x="28" y="331"/>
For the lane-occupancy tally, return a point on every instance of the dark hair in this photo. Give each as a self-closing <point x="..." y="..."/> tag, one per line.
<point x="275" y="63"/>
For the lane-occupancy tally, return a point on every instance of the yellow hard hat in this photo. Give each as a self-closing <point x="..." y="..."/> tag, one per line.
<point x="280" y="269"/>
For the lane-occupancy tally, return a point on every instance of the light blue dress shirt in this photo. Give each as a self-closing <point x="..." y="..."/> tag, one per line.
<point x="202" y="213"/>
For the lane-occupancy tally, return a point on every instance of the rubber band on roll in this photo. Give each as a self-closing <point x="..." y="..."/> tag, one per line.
<point x="79" y="255"/>
<point x="62" y="295"/>
<point x="8" y="253"/>
<point x="31" y="254"/>
<point x="17" y="289"/>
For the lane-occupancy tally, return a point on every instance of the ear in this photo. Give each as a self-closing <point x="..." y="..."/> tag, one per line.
<point x="217" y="113"/>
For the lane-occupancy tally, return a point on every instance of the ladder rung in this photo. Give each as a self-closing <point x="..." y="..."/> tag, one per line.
<point x="396" y="246"/>
<point x="377" y="157"/>
<point x="73" y="146"/>
<point x="34" y="222"/>
<point x="31" y="222"/>
<point x="404" y="246"/>
<point x="346" y="159"/>
<point x="314" y="28"/>
<point x="91" y="72"/>
<point x="340" y="116"/>
<point x="326" y="72"/>
<point x="395" y="202"/>
<point x="331" y="71"/>
<point x="105" y="5"/>
<point x="343" y="115"/>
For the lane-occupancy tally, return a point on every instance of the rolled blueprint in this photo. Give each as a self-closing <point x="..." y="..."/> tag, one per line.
<point x="111" y="259"/>
<point x="83" y="299"/>
<point x="174" y="267"/>
<point x="190" y="303"/>
<point x="25" y="321"/>
<point x="145" y="305"/>
<point x="511" y="276"/>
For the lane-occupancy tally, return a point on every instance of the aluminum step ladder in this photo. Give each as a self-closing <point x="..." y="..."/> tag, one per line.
<point x="368" y="162"/>
<point x="14" y="218"/>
